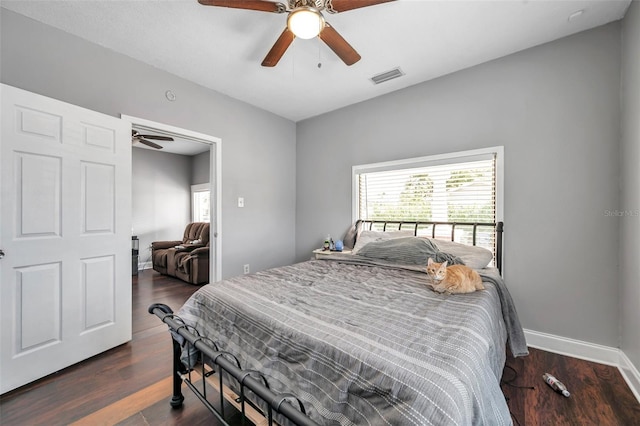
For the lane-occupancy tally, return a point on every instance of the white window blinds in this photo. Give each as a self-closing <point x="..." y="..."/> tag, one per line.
<point x="455" y="192"/>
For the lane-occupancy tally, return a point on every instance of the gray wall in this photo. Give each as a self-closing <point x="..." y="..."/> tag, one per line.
<point x="630" y="160"/>
<point x="258" y="148"/>
<point x="556" y="110"/>
<point x="200" y="167"/>
<point x="161" y="197"/>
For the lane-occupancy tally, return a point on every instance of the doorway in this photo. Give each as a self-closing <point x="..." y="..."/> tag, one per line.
<point x="201" y="147"/>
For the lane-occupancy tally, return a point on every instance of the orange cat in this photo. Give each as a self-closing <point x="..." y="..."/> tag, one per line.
<point x="453" y="279"/>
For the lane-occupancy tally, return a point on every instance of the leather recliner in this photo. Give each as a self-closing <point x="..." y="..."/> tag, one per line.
<point x="186" y="259"/>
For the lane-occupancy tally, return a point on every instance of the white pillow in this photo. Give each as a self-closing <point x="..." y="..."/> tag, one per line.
<point x="472" y="256"/>
<point x="367" y="237"/>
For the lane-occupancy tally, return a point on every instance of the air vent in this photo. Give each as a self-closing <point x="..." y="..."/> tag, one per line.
<point x="386" y="76"/>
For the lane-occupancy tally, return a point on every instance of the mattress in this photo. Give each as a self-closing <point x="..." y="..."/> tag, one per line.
<point x="364" y="344"/>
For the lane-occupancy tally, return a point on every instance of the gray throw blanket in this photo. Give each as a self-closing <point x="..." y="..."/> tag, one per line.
<point x="517" y="341"/>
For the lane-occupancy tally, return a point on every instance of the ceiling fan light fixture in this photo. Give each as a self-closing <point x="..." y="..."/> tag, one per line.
<point x="305" y="22"/>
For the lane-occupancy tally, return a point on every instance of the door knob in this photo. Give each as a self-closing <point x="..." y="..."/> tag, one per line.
<point x="1" y="254"/>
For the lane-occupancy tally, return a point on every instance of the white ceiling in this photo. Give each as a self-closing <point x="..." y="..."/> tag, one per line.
<point x="222" y="48"/>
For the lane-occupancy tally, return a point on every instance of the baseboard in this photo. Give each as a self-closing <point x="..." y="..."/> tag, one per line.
<point x="630" y="374"/>
<point x="589" y="352"/>
<point x="145" y="265"/>
<point x="573" y="348"/>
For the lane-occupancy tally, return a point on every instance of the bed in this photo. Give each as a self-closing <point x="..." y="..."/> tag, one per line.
<point x="359" y="338"/>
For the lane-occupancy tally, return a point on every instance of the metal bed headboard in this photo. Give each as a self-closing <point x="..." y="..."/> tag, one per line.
<point x="396" y="225"/>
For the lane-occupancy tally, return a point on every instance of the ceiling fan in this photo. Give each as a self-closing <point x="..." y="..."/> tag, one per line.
<point x="144" y="139"/>
<point x="305" y="20"/>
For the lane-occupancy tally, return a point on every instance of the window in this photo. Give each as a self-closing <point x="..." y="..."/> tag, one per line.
<point x="200" y="203"/>
<point x="459" y="187"/>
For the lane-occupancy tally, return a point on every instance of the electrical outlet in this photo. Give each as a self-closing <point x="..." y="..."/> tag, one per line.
<point x="240" y="201"/>
<point x="246" y="268"/>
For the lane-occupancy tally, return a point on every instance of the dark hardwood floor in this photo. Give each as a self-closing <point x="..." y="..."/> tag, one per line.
<point x="599" y="394"/>
<point x="130" y="384"/>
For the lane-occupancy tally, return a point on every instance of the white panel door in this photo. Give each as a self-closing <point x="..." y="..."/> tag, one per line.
<point x="65" y="223"/>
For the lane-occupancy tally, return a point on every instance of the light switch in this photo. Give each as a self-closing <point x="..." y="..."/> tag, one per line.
<point x="240" y="201"/>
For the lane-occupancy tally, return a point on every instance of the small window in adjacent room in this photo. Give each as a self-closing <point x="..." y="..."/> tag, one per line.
<point x="458" y="187"/>
<point x="200" y="203"/>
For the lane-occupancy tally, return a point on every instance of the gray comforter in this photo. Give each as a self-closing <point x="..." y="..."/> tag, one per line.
<point x="364" y="344"/>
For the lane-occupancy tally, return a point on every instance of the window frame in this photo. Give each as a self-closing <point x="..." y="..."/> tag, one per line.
<point x="202" y="187"/>
<point x="444" y="158"/>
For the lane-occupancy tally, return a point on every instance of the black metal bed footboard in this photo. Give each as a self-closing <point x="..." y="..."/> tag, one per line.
<point x="226" y="362"/>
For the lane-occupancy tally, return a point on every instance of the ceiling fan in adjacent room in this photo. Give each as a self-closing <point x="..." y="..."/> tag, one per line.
<point x="144" y="139"/>
<point x="305" y="20"/>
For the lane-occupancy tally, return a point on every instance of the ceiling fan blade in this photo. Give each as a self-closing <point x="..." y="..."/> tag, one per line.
<point x="261" y="5"/>
<point x="149" y="143"/>
<point x="156" y="137"/>
<point x="281" y="45"/>
<point x="344" y="5"/>
<point x="339" y="45"/>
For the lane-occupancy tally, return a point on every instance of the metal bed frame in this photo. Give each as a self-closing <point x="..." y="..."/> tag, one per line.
<point x="287" y="405"/>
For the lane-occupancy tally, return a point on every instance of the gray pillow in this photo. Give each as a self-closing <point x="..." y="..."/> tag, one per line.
<point x="349" y="239"/>
<point x="366" y="237"/>
<point x="407" y="251"/>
